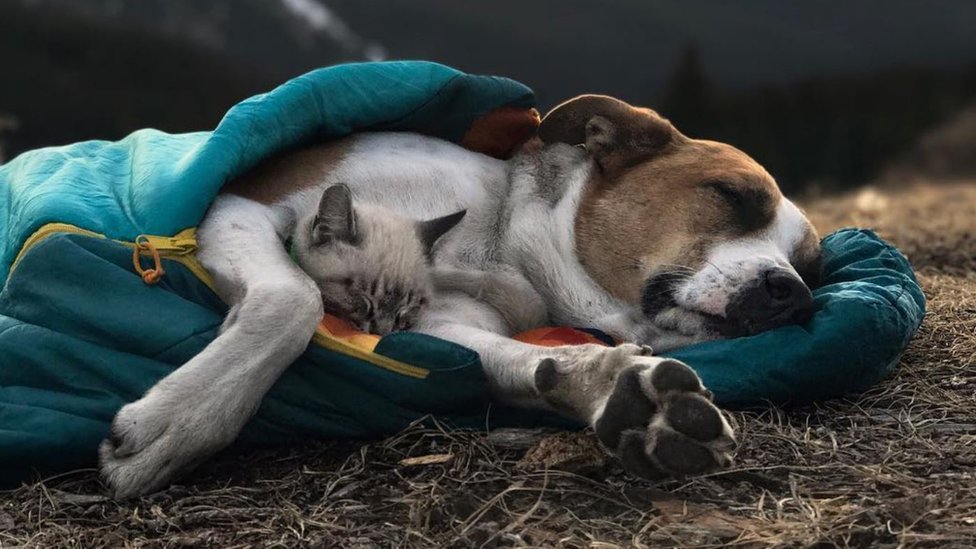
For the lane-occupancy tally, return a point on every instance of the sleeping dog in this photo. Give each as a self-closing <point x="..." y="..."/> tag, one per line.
<point x="614" y="217"/>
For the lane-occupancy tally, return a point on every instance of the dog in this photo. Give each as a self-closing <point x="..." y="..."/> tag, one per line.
<point x="614" y="217"/>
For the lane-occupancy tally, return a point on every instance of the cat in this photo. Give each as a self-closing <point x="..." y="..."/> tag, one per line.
<point x="374" y="267"/>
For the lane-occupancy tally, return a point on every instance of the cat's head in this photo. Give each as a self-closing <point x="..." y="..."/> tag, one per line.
<point x="371" y="265"/>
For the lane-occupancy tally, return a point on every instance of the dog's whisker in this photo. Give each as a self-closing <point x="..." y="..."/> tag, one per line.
<point x="715" y="267"/>
<point x="636" y="260"/>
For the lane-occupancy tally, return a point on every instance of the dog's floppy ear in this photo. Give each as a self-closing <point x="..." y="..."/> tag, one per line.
<point x="431" y="230"/>
<point x="336" y="218"/>
<point x="615" y="133"/>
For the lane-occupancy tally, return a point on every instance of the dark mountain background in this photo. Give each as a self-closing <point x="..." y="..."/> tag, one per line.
<point x="826" y="92"/>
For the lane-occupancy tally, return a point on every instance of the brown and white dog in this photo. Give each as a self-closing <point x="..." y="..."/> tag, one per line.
<point x="615" y="218"/>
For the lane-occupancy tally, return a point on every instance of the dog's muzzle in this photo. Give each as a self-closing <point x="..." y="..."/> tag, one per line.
<point x="776" y="298"/>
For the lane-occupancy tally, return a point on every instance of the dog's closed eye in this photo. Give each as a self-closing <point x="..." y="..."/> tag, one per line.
<point x="751" y="208"/>
<point x="727" y="191"/>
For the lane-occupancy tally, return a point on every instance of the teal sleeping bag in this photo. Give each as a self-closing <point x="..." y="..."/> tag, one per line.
<point x="81" y="334"/>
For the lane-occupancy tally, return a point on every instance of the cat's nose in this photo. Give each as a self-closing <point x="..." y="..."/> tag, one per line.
<point x="382" y="326"/>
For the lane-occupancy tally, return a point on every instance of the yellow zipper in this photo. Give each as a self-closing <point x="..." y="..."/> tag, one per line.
<point x="181" y="248"/>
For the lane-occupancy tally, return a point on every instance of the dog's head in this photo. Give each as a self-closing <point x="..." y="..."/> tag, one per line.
<point x="696" y="232"/>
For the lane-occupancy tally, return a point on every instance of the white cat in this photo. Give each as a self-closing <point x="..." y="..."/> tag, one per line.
<point x="373" y="267"/>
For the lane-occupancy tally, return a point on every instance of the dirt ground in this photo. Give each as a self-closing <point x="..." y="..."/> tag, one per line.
<point x="893" y="467"/>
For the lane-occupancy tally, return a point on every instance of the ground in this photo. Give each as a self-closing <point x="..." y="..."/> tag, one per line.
<point x="893" y="467"/>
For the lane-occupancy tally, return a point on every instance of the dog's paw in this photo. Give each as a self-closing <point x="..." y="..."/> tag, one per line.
<point x="152" y="442"/>
<point x="653" y="413"/>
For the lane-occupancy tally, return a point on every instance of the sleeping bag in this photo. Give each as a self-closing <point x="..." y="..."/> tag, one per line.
<point x="102" y="295"/>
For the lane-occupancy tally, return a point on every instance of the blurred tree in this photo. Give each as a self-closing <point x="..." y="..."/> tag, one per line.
<point x="8" y="125"/>
<point x="688" y="100"/>
<point x="68" y="79"/>
<point x="838" y="130"/>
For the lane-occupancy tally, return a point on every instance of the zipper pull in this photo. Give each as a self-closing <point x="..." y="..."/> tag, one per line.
<point x="151" y="275"/>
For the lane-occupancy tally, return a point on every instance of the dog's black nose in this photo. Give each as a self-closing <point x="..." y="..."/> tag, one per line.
<point x="776" y="298"/>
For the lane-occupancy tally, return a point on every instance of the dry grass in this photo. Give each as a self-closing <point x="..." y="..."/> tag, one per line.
<point x="894" y="467"/>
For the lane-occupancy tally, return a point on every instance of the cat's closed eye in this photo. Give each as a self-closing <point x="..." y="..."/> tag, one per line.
<point x="405" y="319"/>
<point x="366" y="306"/>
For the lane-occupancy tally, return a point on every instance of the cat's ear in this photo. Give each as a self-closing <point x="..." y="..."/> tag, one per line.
<point x="336" y="218"/>
<point x="431" y="230"/>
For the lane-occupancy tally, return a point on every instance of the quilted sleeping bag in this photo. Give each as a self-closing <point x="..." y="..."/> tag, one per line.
<point x="81" y="333"/>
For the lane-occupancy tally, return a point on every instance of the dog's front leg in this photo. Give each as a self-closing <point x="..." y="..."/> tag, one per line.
<point x="202" y="406"/>
<point x="652" y="412"/>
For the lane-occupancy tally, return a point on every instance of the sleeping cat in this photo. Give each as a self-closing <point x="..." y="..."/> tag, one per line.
<point x="373" y="267"/>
